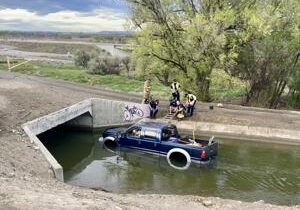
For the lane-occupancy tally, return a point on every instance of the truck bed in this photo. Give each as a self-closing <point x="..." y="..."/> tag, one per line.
<point x="196" y="141"/>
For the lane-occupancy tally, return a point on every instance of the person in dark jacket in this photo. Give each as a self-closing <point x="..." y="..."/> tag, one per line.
<point x="175" y="86"/>
<point x="180" y="110"/>
<point x="173" y="105"/>
<point x="153" y="108"/>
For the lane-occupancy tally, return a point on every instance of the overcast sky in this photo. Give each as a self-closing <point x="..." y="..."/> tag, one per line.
<point x="63" y="15"/>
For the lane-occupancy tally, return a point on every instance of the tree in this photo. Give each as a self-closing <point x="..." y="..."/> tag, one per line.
<point x="126" y="63"/>
<point x="257" y="41"/>
<point x="82" y="58"/>
<point x="268" y="49"/>
<point x="294" y="86"/>
<point x="183" y="37"/>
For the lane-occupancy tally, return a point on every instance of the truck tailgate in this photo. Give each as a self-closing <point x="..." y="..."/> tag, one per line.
<point x="212" y="150"/>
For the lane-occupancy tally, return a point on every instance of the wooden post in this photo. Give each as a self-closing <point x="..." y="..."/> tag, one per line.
<point x="8" y="63"/>
<point x="9" y="67"/>
<point x="18" y="65"/>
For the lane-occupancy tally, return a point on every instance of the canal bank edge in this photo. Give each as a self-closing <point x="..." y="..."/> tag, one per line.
<point x="253" y="133"/>
<point x="98" y="113"/>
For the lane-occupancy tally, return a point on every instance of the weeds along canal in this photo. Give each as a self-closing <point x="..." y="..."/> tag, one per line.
<point x="246" y="171"/>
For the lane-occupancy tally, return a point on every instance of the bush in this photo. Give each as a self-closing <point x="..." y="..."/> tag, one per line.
<point x="293" y="100"/>
<point x="82" y="58"/>
<point x="104" y="65"/>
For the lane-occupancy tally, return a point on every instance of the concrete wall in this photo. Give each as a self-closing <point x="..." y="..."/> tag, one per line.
<point x="90" y="113"/>
<point x="281" y="136"/>
<point x="56" y="167"/>
<point x="84" y="121"/>
<point x="107" y="112"/>
<point x="54" y="119"/>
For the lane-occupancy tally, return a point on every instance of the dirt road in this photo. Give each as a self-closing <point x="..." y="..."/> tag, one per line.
<point x="6" y="50"/>
<point x="26" y="181"/>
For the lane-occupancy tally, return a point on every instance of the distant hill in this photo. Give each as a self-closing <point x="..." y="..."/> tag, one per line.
<point x="65" y="35"/>
<point x="115" y="33"/>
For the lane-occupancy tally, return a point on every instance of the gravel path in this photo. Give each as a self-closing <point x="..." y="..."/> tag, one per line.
<point x="6" y="50"/>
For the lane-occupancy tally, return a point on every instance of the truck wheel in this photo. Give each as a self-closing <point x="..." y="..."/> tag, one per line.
<point x="179" y="159"/>
<point x="109" y="142"/>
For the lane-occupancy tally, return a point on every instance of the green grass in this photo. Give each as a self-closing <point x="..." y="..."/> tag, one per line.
<point x="226" y="88"/>
<point x="223" y="88"/>
<point x="75" y="74"/>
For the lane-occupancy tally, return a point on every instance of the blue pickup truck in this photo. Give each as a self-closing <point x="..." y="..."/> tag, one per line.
<point x="162" y="139"/>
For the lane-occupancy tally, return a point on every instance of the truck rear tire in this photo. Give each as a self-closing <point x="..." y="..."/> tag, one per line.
<point x="178" y="154"/>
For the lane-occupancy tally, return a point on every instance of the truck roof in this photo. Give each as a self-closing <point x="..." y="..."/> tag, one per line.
<point x="153" y="124"/>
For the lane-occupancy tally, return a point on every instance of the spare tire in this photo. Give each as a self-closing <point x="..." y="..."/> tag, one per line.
<point x="179" y="159"/>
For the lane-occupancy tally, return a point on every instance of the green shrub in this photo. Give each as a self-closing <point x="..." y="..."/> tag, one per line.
<point x="294" y="100"/>
<point x="104" y="65"/>
<point x="82" y="58"/>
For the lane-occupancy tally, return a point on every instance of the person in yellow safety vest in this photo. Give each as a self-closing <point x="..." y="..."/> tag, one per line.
<point x="175" y="86"/>
<point x="191" y="102"/>
<point x="147" y="91"/>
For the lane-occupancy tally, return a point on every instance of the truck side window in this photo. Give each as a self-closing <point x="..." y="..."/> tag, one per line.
<point x="134" y="132"/>
<point x="166" y="134"/>
<point x="173" y="131"/>
<point x="150" y="134"/>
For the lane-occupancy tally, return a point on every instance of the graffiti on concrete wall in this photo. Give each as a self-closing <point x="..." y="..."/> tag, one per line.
<point x="135" y="111"/>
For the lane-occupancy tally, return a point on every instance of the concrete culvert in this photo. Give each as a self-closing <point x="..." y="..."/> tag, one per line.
<point x="179" y="159"/>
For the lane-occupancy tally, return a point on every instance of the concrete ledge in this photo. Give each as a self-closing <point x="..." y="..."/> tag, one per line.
<point x="258" y="109"/>
<point x="56" y="167"/>
<point x="54" y="119"/>
<point x="281" y="136"/>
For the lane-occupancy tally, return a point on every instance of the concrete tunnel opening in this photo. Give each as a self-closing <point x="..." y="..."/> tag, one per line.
<point x="54" y="139"/>
<point x="88" y="115"/>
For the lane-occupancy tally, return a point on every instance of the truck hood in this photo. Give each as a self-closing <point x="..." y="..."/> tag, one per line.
<point x="112" y="132"/>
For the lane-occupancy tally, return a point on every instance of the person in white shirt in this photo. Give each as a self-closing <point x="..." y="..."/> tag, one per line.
<point x="191" y="102"/>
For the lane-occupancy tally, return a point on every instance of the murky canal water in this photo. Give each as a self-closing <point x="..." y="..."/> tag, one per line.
<point x="242" y="171"/>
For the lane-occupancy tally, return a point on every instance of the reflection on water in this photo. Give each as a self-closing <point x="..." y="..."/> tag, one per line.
<point x="242" y="171"/>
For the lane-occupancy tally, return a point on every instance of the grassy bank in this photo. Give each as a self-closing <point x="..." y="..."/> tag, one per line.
<point x="78" y="75"/>
<point x="223" y="87"/>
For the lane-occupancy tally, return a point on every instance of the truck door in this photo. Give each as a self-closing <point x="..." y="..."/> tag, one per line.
<point x="133" y="137"/>
<point x="166" y="145"/>
<point x="151" y="140"/>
